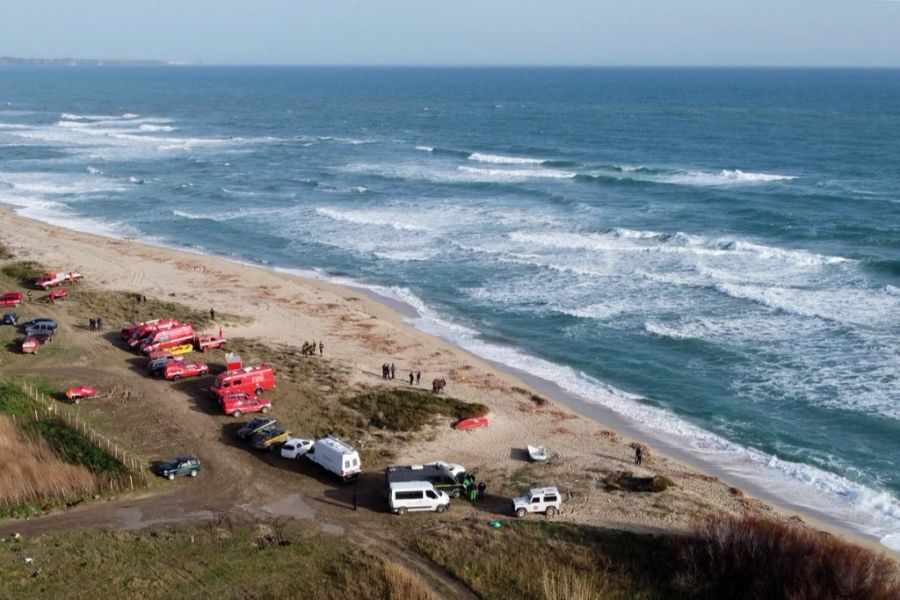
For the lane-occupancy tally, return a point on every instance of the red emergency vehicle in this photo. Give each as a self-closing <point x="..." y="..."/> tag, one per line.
<point x="166" y="338"/>
<point x="249" y="379"/>
<point x="145" y="329"/>
<point x="11" y="299"/>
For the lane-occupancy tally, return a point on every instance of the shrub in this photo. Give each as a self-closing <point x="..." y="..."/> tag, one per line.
<point x="406" y="410"/>
<point x="24" y="271"/>
<point x="750" y="557"/>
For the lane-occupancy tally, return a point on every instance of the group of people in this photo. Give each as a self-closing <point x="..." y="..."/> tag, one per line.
<point x="309" y="348"/>
<point x="438" y="385"/>
<point x="474" y="491"/>
<point x="388" y="371"/>
<point x="140" y="299"/>
<point x="96" y="324"/>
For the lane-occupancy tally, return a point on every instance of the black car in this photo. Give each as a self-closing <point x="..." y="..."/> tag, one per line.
<point x="257" y="424"/>
<point x="10" y="318"/>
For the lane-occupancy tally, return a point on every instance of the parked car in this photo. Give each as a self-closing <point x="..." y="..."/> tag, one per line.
<point x="176" y="370"/>
<point x="157" y="366"/>
<point x="182" y="465"/>
<point x="41" y="327"/>
<point x="405" y="496"/>
<point x="11" y="299"/>
<point x="257" y="424"/>
<point x="238" y="403"/>
<point x="34" y="322"/>
<point x="296" y="447"/>
<point x="268" y="439"/>
<point x="76" y="393"/>
<point x="545" y="500"/>
<point x="60" y="294"/>
<point x="10" y="318"/>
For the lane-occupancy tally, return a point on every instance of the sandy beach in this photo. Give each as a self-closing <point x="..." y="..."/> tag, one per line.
<point x="362" y="333"/>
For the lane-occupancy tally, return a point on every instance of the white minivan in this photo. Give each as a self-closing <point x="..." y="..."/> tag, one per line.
<point x="416" y="495"/>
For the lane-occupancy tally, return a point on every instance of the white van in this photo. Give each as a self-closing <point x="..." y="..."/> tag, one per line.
<point x="335" y="456"/>
<point x="416" y="495"/>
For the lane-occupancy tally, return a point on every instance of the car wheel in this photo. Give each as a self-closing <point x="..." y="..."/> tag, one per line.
<point x="258" y="391"/>
<point x="264" y="409"/>
<point x="171" y="476"/>
<point x="441" y="508"/>
<point x="521" y="513"/>
<point x="454" y="493"/>
<point x="76" y="400"/>
<point x="236" y="413"/>
<point x="551" y="511"/>
<point x="194" y="473"/>
<point x="176" y="377"/>
<point x="401" y="510"/>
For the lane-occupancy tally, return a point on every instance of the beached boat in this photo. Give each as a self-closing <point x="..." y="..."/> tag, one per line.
<point x="537" y="453"/>
<point x="471" y="423"/>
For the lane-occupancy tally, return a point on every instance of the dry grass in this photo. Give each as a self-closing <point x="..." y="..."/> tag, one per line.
<point x="33" y="472"/>
<point x="568" y="584"/>
<point x="403" y="585"/>
<point x="749" y="557"/>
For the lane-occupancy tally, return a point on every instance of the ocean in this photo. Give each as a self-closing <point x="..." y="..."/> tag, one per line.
<point x="712" y="254"/>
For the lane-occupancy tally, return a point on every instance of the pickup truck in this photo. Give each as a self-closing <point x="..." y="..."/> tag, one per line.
<point x="55" y="278"/>
<point x="176" y="370"/>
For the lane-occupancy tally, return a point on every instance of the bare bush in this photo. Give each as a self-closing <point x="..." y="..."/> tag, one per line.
<point x="750" y="557"/>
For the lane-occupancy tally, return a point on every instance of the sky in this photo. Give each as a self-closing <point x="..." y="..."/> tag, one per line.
<point x="460" y="32"/>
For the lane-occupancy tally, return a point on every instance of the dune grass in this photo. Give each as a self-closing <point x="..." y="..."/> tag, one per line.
<point x="409" y="410"/>
<point x="221" y="560"/>
<point x="23" y="272"/>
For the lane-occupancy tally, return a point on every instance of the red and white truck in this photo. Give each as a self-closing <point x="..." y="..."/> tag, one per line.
<point x="11" y="299"/>
<point x="248" y="380"/>
<point x="130" y="330"/>
<point x="166" y="338"/>
<point x="55" y="278"/>
<point x="208" y="341"/>
<point x="145" y="330"/>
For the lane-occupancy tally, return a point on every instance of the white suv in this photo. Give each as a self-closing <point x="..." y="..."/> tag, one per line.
<point x="538" y="500"/>
<point x="296" y="447"/>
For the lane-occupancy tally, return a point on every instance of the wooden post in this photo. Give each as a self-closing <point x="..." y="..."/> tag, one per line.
<point x="131" y="483"/>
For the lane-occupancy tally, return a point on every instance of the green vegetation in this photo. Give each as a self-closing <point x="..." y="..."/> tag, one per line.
<point x="5" y="252"/>
<point x="74" y="448"/>
<point x="24" y="272"/>
<point x="407" y="410"/>
<point x="627" y="481"/>
<point x="263" y="560"/>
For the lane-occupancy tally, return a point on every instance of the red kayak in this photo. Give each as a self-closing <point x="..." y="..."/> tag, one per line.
<point x="471" y="423"/>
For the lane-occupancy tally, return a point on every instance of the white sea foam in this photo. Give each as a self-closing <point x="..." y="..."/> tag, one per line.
<point x="371" y="217"/>
<point x="500" y="159"/>
<point x="94" y="170"/>
<point x="724" y="177"/>
<point x="151" y="127"/>
<point x="425" y="148"/>
<point x="514" y="174"/>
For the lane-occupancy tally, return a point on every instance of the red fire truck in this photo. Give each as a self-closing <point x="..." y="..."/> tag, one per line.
<point x="248" y="379"/>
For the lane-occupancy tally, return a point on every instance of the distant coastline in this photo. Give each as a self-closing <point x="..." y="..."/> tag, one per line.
<point x="84" y="62"/>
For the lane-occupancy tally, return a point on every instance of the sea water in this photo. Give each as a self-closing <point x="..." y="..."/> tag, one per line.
<point x="712" y="254"/>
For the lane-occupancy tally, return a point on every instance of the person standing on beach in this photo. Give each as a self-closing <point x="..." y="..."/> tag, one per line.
<point x="212" y="314"/>
<point x="638" y="455"/>
<point x="418" y="377"/>
<point x="393" y="372"/>
<point x="99" y="323"/>
<point x="93" y="324"/>
<point x="411" y="378"/>
<point x="28" y="293"/>
<point x="321" y="348"/>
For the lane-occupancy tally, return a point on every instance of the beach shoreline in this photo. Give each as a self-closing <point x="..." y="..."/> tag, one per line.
<point x="361" y="328"/>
